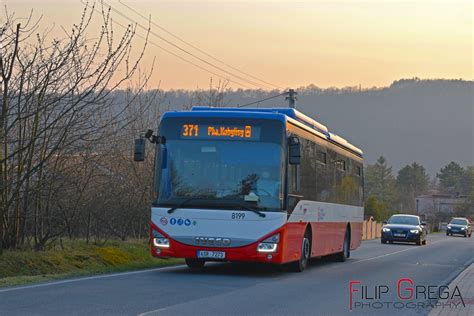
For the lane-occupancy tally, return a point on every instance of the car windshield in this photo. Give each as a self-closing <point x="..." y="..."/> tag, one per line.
<point x="220" y="164"/>
<point x="404" y="220"/>
<point x="458" y="222"/>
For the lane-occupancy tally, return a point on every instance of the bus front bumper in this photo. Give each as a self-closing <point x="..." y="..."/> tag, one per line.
<point x="247" y="253"/>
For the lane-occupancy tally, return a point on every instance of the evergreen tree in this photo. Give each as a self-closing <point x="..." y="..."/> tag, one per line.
<point x="468" y="181"/>
<point x="412" y="181"/>
<point x="451" y="178"/>
<point x="380" y="182"/>
<point x="467" y="208"/>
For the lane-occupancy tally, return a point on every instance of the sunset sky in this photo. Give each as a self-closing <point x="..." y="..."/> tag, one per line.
<point x="296" y="43"/>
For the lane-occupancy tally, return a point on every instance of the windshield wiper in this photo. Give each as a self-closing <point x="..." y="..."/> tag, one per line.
<point x="248" y="208"/>
<point x="171" y="210"/>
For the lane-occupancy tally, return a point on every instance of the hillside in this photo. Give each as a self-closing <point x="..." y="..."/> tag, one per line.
<point x="428" y="121"/>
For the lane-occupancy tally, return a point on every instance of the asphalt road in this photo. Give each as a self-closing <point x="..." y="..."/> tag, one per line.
<point x="237" y="289"/>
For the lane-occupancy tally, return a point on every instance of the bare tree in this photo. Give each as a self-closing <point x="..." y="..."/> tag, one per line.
<point x="57" y="110"/>
<point x="214" y="96"/>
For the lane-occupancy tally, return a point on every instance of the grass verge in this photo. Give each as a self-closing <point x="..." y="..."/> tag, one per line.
<point x="78" y="258"/>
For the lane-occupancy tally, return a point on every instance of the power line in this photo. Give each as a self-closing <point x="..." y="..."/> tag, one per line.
<point x="197" y="48"/>
<point x="176" y="55"/>
<point x="182" y="49"/>
<point x="263" y="100"/>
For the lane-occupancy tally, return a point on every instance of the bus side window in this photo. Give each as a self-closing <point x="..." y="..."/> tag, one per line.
<point x="295" y="179"/>
<point x="294" y="182"/>
<point x="321" y="157"/>
<point x="321" y="176"/>
<point x="293" y="186"/>
<point x="358" y="178"/>
<point x="331" y="175"/>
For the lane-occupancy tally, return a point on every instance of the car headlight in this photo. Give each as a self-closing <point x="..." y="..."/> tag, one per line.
<point x="414" y="231"/>
<point x="463" y="228"/>
<point x="270" y="244"/>
<point x="385" y="229"/>
<point x="449" y="226"/>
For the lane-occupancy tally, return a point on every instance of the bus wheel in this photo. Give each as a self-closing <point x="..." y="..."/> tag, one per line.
<point x="301" y="264"/>
<point x="195" y="263"/>
<point x="346" y="252"/>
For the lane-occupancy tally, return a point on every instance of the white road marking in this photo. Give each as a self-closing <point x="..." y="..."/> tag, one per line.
<point x="88" y="278"/>
<point x="396" y="252"/>
<point x="153" y="311"/>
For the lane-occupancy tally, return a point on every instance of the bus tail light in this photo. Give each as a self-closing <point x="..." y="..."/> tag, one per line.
<point x="270" y="244"/>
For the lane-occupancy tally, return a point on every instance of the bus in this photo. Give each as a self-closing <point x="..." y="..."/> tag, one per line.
<point x="253" y="185"/>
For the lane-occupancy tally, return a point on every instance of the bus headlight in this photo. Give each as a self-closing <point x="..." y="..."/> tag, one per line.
<point x="161" y="242"/>
<point x="270" y="244"/>
<point x="267" y="247"/>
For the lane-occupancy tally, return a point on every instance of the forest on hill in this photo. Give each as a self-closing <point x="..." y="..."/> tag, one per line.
<point x="427" y="121"/>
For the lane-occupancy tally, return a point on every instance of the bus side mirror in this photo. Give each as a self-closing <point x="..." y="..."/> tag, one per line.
<point x="139" y="153"/>
<point x="295" y="150"/>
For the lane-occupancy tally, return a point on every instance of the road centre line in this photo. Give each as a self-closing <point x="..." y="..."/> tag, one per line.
<point x="396" y="252"/>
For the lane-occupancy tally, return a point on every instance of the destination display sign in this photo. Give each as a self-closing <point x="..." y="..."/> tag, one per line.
<point x="208" y="131"/>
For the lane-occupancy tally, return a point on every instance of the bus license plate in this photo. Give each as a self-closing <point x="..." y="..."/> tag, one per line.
<point x="211" y="254"/>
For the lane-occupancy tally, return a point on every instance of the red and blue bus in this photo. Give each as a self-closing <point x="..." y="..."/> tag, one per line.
<point x="254" y="185"/>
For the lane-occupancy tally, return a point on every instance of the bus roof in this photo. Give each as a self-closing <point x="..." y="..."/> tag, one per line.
<point x="268" y="113"/>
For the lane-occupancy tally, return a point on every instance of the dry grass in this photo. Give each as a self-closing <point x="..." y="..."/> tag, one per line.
<point x="76" y="259"/>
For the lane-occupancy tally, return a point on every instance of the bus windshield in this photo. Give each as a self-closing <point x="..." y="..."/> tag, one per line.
<point x="220" y="174"/>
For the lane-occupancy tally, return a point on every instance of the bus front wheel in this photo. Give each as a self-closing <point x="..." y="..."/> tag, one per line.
<point x="346" y="248"/>
<point x="195" y="264"/>
<point x="300" y="265"/>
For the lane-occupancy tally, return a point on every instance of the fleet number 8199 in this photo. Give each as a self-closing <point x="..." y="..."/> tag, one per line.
<point x="238" y="215"/>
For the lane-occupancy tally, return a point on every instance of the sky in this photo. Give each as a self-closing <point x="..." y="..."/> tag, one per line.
<point x="328" y="43"/>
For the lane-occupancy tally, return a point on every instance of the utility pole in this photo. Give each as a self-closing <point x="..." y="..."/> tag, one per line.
<point x="291" y="98"/>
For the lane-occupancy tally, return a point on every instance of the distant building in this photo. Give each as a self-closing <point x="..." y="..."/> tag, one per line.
<point x="438" y="205"/>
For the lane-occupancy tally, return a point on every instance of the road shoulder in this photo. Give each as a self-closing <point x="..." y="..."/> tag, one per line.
<point x="457" y="306"/>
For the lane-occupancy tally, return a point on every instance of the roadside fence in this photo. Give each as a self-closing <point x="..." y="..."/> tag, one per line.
<point x="371" y="229"/>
